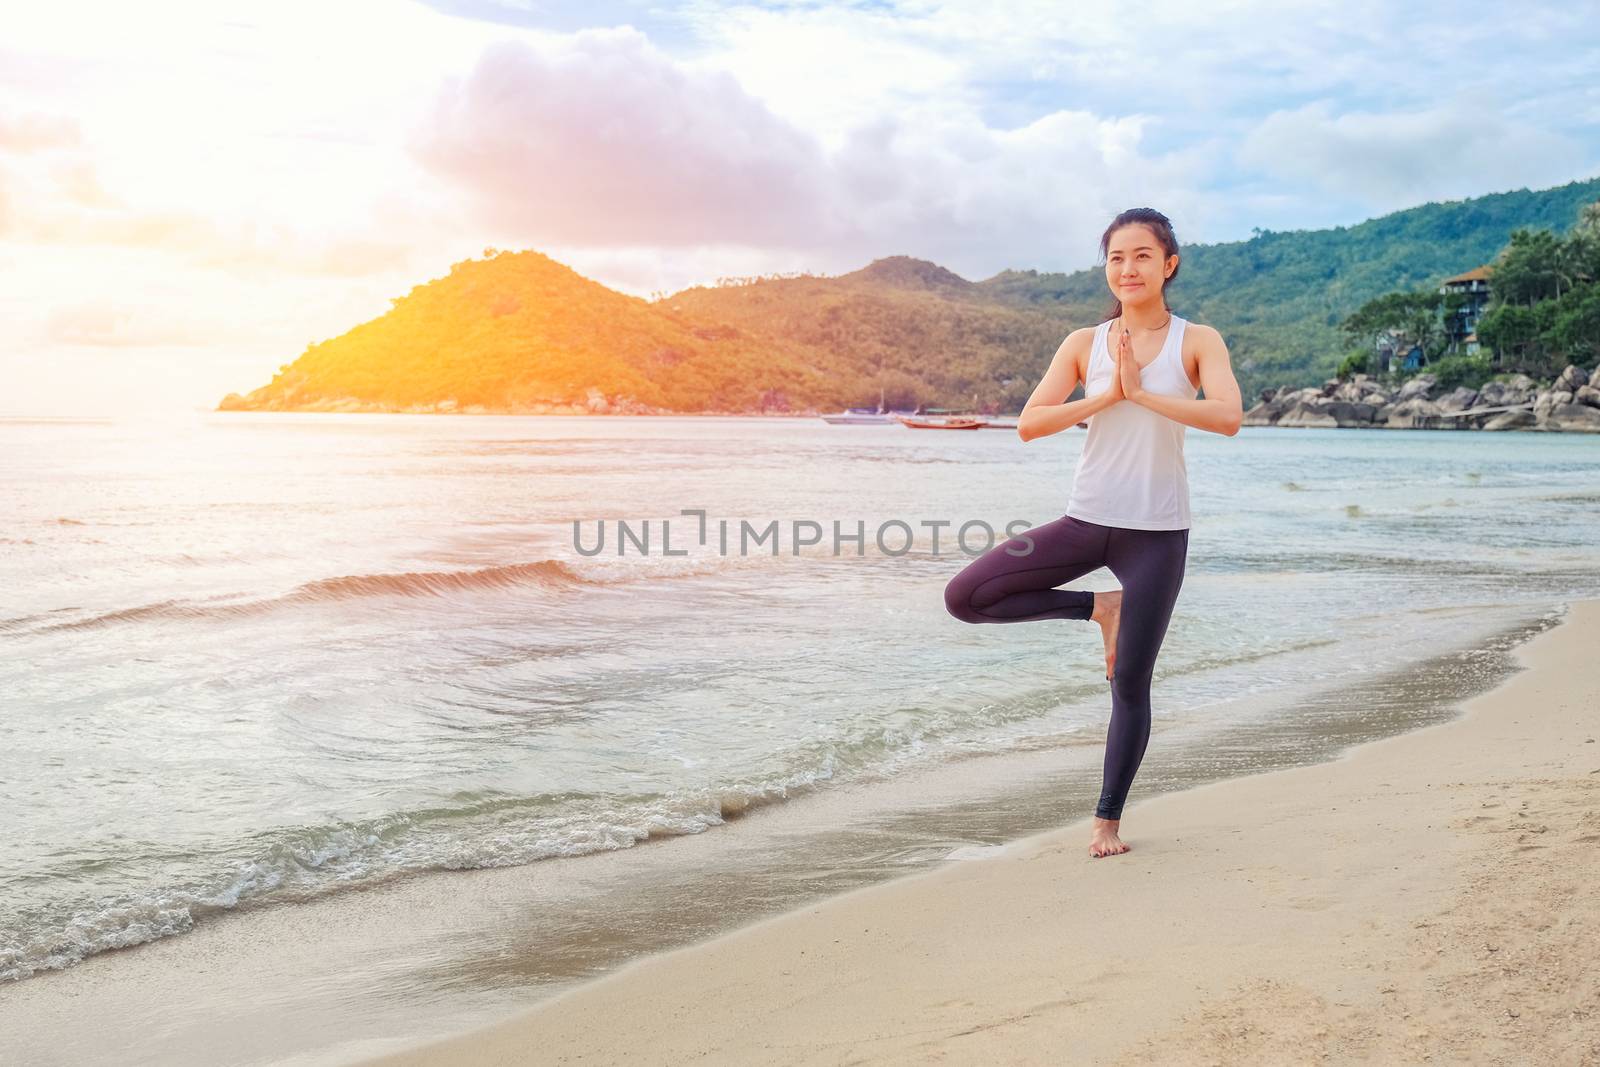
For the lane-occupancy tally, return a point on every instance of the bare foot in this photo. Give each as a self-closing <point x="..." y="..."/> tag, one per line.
<point x="1104" y="841"/>
<point x="1108" y="613"/>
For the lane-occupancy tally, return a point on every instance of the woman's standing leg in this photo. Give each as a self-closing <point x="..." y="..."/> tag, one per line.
<point x="1015" y="581"/>
<point x="1150" y="565"/>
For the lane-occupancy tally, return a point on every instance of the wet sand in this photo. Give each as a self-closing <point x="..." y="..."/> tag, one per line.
<point x="1425" y="898"/>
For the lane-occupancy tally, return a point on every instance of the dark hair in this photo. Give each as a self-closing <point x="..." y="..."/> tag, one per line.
<point x="1162" y="227"/>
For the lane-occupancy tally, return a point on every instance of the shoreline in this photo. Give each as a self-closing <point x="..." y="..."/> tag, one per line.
<point x="1437" y="427"/>
<point x="1461" y="426"/>
<point x="1420" y="895"/>
<point x="461" y="950"/>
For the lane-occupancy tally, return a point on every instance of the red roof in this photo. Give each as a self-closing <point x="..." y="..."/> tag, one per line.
<point x="1473" y="275"/>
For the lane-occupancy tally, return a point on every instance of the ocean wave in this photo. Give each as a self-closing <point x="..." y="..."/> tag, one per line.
<point x="550" y="574"/>
<point x="547" y="572"/>
<point x="305" y="863"/>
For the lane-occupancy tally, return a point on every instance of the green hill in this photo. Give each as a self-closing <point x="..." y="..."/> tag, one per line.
<point x="923" y="334"/>
<point x="520" y="332"/>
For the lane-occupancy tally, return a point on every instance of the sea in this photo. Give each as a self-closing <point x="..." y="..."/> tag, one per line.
<point x="326" y="734"/>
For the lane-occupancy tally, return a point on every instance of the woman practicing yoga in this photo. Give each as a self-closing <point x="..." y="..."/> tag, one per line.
<point x="1129" y="507"/>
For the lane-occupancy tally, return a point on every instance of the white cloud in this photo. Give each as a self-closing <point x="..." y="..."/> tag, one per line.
<point x="1401" y="158"/>
<point x="36" y="132"/>
<point x="649" y="270"/>
<point x="604" y="141"/>
<point x="105" y="324"/>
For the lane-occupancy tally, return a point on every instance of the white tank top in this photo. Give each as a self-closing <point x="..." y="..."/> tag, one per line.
<point x="1131" y="471"/>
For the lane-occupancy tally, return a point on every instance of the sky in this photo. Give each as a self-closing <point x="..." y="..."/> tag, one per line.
<point x="193" y="192"/>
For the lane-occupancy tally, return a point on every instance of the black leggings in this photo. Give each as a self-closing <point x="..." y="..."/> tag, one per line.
<point x="1015" y="582"/>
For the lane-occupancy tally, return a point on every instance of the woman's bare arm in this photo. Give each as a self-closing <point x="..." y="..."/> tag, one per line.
<point x="1220" y="411"/>
<point x="1046" y="411"/>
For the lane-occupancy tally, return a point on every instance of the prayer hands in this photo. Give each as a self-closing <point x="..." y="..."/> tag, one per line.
<point x="1126" y="383"/>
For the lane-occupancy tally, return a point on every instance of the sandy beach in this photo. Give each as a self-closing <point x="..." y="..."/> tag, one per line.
<point x="1426" y="898"/>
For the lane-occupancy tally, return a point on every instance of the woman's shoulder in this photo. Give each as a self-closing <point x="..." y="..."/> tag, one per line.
<point x="1199" y="332"/>
<point x="1083" y="336"/>
<point x="1079" y="342"/>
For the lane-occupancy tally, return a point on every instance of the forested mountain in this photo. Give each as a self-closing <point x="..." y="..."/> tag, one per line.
<point x="1279" y="298"/>
<point x="520" y="332"/>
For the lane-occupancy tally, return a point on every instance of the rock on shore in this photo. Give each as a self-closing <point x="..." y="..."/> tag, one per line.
<point x="1570" y="403"/>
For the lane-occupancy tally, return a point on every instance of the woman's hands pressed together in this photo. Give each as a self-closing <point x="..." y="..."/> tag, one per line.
<point x="1114" y="390"/>
<point x="1126" y="383"/>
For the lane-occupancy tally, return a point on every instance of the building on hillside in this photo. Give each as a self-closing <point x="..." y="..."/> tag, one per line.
<point x="1461" y="327"/>
<point x="1396" y="352"/>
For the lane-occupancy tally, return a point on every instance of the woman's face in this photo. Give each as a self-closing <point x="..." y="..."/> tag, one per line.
<point x="1135" y="268"/>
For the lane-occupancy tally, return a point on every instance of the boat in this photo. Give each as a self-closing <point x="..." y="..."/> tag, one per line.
<point x="860" y="417"/>
<point x="940" y="419"/>
<point x="925" y="419"/>
<point x="865" y="416"/>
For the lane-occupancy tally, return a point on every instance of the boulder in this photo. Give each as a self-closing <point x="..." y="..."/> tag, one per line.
<point x="1348" y="413"/>
<point x="1358" y="390"/>
<point x="1520" y="419"/>
<point x="1594" y="379"/>
<point x="1460" y="399"/>
<point x="1303" y="414"/>
<point x="1569" y="416"/>
<point x="1519" y="390"/>
<point x="1420" y="386"/>
<point x="1570" y="378"/>
<point x="1414" y="412"/>
<point x="1263" y="414"/>
<point x="1544" y="402"/>
<point x="1268" y="412"/>
<point x="1587" y="394"/>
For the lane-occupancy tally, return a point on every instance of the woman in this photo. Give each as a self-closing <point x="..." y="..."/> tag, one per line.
<point x="1129" y="507"/>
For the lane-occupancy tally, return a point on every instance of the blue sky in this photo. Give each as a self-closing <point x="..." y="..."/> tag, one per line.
<point x="192" y="191"/>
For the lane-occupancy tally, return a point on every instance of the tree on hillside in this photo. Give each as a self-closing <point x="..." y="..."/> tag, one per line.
<point x="1411" y="317"/>
<point x="1537" y="265"/>
<point x="1544" y="309"/>
<point x="1588" y="224"/>
<point x="1512" y="331"/>
<point x="1575" y="331"/>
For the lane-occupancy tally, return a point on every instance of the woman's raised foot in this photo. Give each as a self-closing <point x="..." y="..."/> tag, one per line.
<point x="1108" y="613"/>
